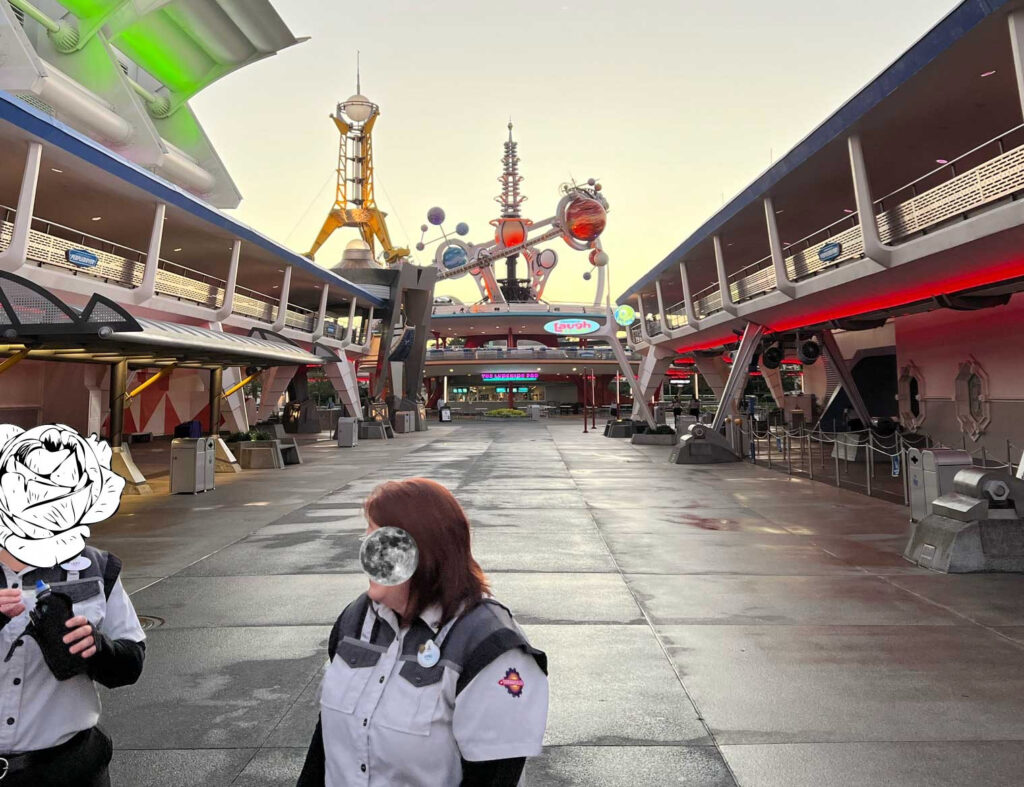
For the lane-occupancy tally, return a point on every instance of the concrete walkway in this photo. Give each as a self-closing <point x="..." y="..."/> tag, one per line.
<point x="705" y="625"/>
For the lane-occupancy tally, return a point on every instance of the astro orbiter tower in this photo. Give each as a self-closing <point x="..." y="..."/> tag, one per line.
<point x="511" y="229"/>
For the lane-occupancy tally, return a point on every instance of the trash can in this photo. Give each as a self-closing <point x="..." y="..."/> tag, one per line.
<point x="210" y="465"/>
<point x="348" y="432"/>
<point x="535" y="412"/>
<point x="188" y="466"/>
<point x="405" y="421"/>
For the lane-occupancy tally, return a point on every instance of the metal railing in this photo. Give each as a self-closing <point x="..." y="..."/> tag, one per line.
<point x="124" y="267"/>
<point x="526" y="353"/>
<point x="541" y="307"/>
<point x="998" y="177"/>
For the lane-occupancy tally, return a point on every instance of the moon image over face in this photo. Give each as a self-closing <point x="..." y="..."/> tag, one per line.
<point x="389" y="556"/>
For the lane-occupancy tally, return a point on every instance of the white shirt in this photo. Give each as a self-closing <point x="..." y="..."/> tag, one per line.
<point x="37" y="711"/>
<point x="379" y="729"/>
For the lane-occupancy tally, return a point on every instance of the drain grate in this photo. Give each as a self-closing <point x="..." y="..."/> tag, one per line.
<point x="150" y="622"/>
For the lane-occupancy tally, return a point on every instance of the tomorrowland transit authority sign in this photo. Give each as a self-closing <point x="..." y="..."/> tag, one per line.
<point x="508" y="377"/>
<point x="572" y="327"/>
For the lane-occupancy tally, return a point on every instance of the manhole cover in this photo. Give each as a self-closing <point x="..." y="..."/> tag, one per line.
<point x="150" y="622"/>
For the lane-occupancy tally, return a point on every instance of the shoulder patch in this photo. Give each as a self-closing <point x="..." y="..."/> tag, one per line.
<point x="513" y="682"/>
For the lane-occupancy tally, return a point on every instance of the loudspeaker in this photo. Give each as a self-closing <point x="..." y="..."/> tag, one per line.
<point x="772" y="357"/>
<point x="808" y="352"/>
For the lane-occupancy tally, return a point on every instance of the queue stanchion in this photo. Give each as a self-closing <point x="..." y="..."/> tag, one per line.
<point x="868" y="459"/>
<point x="810" y="459"/>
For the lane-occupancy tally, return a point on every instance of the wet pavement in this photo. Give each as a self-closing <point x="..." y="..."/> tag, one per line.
<point x="710" y="626"/>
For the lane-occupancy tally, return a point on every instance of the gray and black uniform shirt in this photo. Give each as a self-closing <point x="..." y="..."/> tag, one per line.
<point x="387" y="720"/>
<point x="37" y="711"/>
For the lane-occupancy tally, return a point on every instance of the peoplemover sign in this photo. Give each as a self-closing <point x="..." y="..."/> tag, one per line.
<point x="572" y="327"/>
<point x="82" y="258"/>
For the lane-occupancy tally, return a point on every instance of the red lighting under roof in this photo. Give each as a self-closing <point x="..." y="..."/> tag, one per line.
<point x="1002" y="272"/>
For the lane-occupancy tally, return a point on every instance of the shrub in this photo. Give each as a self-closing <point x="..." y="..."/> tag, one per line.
<point x="506" y="413"/>
<point x="258" y="434"/>
<point x="662" y="429"/>
<point x="238" y="437"/>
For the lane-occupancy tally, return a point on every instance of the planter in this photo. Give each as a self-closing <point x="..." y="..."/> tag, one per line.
<point x="499" y="419"/>
<point x="655" y="439"/>
<point x="619" y="429"/>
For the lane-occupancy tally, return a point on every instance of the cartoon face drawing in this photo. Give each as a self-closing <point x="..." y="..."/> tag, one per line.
<point x="53" y="484"/>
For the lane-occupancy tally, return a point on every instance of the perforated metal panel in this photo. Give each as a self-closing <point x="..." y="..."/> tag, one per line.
<point x="104" y="314"/>
<point x="31" y="308"/>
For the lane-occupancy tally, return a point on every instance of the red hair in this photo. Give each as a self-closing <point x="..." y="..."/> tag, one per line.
<point x="447" y="573"/>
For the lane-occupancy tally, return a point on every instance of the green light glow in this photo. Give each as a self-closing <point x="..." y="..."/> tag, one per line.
<point x="87" y="9"/>
<point x="158" y="58"/>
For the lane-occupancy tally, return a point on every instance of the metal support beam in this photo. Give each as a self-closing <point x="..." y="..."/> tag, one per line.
<point x="1016" y="19"/>
<point x="19" y="356"/>
<point x="739" y="372"/>
<point x="661" y="307"/>
<point x="691" y="311"/>
<point x="118" y="383"/>
<point x="351" y="321"/>
<point x="216" y="383"/>
<point x="723" y="281"/>
<point x="874" y="249"/>
<point x="835" y="357"/>
<point x="282" y="304"/>
<point x="240" y="384"/>
<point x="610" y="332"/>
<point x="321" y="315"/>
<point x="164" y="372"/>
<point x="782" y="282"/>
<point x="13" y="257"/>
<point x="643" y="317"/>
<point x="228" y="304"/>
<point x="147" y="289"/>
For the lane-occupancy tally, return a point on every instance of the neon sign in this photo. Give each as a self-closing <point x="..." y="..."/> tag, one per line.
<point x="508" y="377"/>
<point x="572" y="327"/>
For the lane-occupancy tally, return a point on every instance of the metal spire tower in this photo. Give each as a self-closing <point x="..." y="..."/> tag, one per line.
<point x="511" y="199"/>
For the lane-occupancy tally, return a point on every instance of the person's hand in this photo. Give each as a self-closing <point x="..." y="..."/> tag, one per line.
<point x="11" y="603"/>
<point x="81" y="636"/>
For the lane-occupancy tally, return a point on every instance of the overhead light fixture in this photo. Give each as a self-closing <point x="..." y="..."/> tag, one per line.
<point x="847" y="210"/>
<point x="987" y="74"/>
<point x="779" y="211"/>
<point x="58" y="171"/>
<point x="178" y="249"/>
<point x="941" y="161"/>
<point x="277" y="286"/>
<point x="96" y="218"/>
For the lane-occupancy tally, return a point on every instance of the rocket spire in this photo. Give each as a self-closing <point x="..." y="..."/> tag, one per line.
<point x="510" y="198"/>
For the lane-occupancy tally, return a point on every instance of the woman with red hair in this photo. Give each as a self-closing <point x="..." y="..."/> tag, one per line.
<point x="430" y="681"/>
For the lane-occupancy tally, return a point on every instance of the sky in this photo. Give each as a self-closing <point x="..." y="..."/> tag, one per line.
<point x="674" y="105"/>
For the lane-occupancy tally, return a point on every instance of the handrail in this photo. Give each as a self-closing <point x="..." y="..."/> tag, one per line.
<point x="949" y="163"/>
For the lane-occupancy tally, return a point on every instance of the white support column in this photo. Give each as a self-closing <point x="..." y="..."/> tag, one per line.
<point x="351" y="320"/>
<point x="321" y="315"/>
<point x="723" y="281"/>
<point x="369" y="330"/>
<point x="147" y="289"/>
<point x="874" y="249"/>
<point x="691" y="311"/>
<point x="228" y="304"/>
<point x="738" y="373"/>
<point x="1017" y="42"/>
<point x="643" y="317"/>
<point x="282" y="304"/>
<point x="661" y="307"/>
<point x="13" y="257"/>
<point x="610" y="332"/>
<point x="835" y="357"/>
<point x="782" y="282"/>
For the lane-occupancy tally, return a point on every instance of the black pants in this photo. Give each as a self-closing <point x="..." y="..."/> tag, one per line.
<point x="81" y="764"/>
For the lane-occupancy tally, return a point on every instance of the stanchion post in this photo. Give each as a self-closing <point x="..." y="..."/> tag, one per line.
<point x="788" y="445"/>
<point x="810" y="459"/>
<point x="835" y="455"/>
<point x="902" y="447"/>
<point x="868" y="458"/>
<point x="769" y="433"/>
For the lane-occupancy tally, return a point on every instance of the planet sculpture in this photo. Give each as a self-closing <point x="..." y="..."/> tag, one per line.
<point x="454" y="257"/>
<point x="585" y="219"/>
<point x="389" y="556"/>
<point x="462" y="228"/>
<point x="436" y="216"/>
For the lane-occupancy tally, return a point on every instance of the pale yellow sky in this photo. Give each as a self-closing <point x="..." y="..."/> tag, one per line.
<point x="675" y="106"/>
